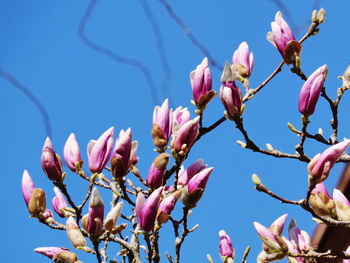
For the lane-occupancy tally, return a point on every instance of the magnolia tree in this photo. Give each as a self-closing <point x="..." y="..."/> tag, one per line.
<point x="146" y="205"/>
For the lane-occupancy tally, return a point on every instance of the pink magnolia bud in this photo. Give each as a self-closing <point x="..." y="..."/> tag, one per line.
<point x="320" y="201"/>
<point x="146" y="211"/>
<point x="51" y="162"/>
<point x="297" y="238"/>
<point x="50" y="251"/>
<point x="293" y="248"/>
<point x="47" y="214"/>
<point x="74" y="234"/>
<point x="283" y="39"/>
<point x="121" y="157"/>
<point x="157" y="170"/>
<point x="180" y="117"/>
<point x="267" y="237"/>
<point x="342" y="205"/>
<point x="241" y="56"/>
<point x="201" y="81"/>
<point x="185" y="136"/>
<point x="71" y="152"/>
<point x="225" y="246"/>
<point x="59" y="203"/>
<point x="186" y="175"/>
<point x="96" y="214"/>
<point x="99" y="151"/>
<point x="194" y="190"/>
<point x="311" y="90"/>
<point x="162" y="125"/>
<point x="166" y="206"/>
<point x="27" y="186"/>
<point x="58" y="255"/>
<point x="320" y="166"/>
<point x="278" y="225"/>
<point x="231" y="97"/>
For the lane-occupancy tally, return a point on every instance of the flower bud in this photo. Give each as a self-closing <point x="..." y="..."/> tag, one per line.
<point x="180" y="117"/>
<point x="283" y="40"/>
<point x="201" y="83"/>
<point x="346" y="78"/>
<point x="311" y="90"/>
<point x="162" y="125"/>
<point x="321" y="16"/>
<point x="267" y="237"/>
<point x="37" y="202"/>
<point x="320" y="166"/>
<point x="121" y="157"/>
<point x="71" y="152"/>
<point x="226" y="250"/>
<point x="113" y="216"/>
<point x="186" y="175"/>
<point x="166" y="206"/>
<point x="231" y="98"/>
<point x="74" y="234"/>
<point x="51" y="162"/>
<point x="185" y="136"/>
<point x="342" y="205"/>
<point x="65" y="257"/>
<point x="278" y="225"/>
<point x="96" y="214"/>
<point x="194" y="190"/>
<point x="242" y="57"/>
<point x="146" y="211"/>
<point x="47" y="214"/>
<point x="297" y="238"/>
<point x="320" y="201"/>
<point x="157" y="170"/>
<point x="293" y="248"/>
<point x="99" y="151"/>
<point x="27" y="186"/>
<point x="50" y="252"/>
<point x="59" y="203"/>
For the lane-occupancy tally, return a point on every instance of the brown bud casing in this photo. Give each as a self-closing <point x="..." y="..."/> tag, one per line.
<point x="321" y="204"/>
<point x="158" y="136"/>
<point x="65" y="257"/>
<point x="292" y="50"/>
<point x="205" y="99"/>
<point x="37" y="202"/>
<point x="118" y="169"/>
<point x="161" y="161"/>
<point x="84" y="222"/>
<point x="190" y="200"/>
<point x="75" y="236"/>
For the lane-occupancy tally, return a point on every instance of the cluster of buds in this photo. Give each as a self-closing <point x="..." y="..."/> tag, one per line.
<point x="278" y="245"/>
<point x="226" y="250"/>
<point x="321" y="165"/>
<point x="282" y="38"/>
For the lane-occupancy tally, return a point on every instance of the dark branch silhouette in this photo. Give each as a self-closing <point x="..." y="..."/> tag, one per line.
<point x="160" y="47"/>
<point x="190" y="35"/>
<point x="31" y="97"/>
<point x="113" y="55"/>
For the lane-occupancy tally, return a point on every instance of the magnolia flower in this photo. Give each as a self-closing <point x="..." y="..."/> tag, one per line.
<point x="342" y="205"/>
<point x="311" y="90"/>
<point x="71" y="152"/>
<point x="241" y="57"/>
<point x="99" y="151"/>
<point x="59" y="203"/>
<point x="157" y="170"/>
<point x="162" y="125"/>
<point x="51" y="162"/>
<point x="226" y="251"/>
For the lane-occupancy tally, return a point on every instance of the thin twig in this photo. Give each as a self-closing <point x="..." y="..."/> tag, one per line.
<point x="32" y="98"/>
<point x="190" y="35"/>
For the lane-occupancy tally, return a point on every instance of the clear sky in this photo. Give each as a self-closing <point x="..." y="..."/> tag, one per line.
<point x="86" y="92"/>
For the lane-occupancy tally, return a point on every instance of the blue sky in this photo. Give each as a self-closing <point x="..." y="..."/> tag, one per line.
<point x="85" y="92"/>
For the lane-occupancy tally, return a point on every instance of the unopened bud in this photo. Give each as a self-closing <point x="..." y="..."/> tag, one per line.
<point x="74" y="234"/>
<point x="256" y="179"/>
<point x="113" y="216"/>
<point x="269" y="147"/>
<point x="292" y="128"/>
<point x="321" y="16"/>
<point x="37" y="202"/>
<point x="242" y="144"/>
<point x="314" y="16"/>
<point x="65" y="257"/>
